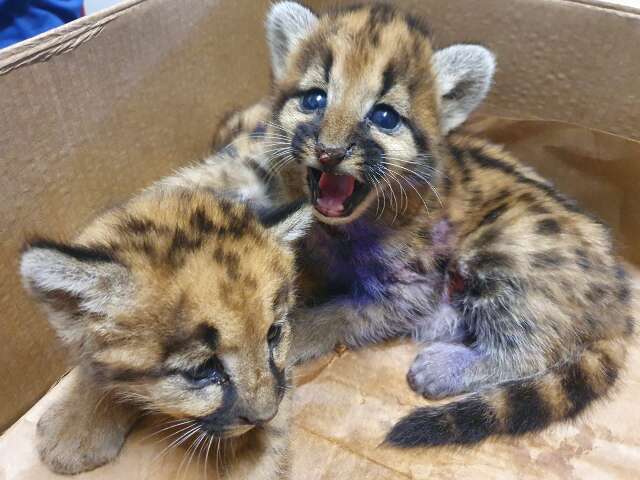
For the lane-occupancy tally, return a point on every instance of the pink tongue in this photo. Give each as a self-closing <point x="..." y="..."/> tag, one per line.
<point x="334" y="191"/>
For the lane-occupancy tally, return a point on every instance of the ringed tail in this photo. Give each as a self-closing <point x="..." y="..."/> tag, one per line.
<point x="516" y="407"/>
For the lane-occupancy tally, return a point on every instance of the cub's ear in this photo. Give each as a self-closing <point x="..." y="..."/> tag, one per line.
<point x="289" y="222"/>
<point x="287" y="24"/>
<point x="463" y="76"/>
<point x="71" y="281"/>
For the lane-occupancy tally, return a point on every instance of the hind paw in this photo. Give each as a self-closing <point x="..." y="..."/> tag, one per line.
<point x="439" y="370"/>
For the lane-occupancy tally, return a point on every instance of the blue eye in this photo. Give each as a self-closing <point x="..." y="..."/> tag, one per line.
<point x="384" y="117"/>
<point x="314" y="99"/>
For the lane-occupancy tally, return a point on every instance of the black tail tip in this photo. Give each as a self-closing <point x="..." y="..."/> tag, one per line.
<point x="466" y="422"/>
<point x="421" y="428"/>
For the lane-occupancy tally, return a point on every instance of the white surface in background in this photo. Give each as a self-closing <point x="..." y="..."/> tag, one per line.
<point x="92" y="6"/>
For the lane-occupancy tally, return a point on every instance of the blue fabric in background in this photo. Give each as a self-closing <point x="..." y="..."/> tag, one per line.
<point x="20" y="19"/>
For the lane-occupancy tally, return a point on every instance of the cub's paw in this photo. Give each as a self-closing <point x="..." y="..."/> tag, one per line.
<point x="439" y="370"/>
<point x="69" y="443"/>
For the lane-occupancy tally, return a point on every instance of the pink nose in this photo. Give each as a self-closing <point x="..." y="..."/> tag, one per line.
<point x="330" y="156"/>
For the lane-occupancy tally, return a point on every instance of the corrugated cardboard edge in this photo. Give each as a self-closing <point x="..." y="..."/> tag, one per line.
<point x="62" y="39"/>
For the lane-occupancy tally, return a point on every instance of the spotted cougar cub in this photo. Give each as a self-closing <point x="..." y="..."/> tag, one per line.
<point x="423" y="231"/>
<point x="174" y="303"/>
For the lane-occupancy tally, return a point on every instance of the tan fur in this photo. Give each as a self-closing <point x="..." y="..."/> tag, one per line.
<point x="174" y="279"/>
<point x="478" y="247"/>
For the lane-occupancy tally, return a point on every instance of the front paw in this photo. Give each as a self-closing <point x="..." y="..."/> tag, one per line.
<point x="68" y="444"/>
<point x="439" y="370"/>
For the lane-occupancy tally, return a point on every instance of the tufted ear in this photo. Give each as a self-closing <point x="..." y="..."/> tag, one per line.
<point x="287" y="24"/>
<point x="289" y="222"/>
<point x="72" y="281"/>
<point x="463" y="76"/>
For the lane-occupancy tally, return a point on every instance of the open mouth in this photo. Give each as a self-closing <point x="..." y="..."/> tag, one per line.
<point x="335" y="195"/>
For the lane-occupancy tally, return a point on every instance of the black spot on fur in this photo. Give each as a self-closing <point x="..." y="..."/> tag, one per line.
<point x="630" y="325"/>
<point x="209" y="335"/>
<point x="181" y="244"/>
<point x="488" y="162"/>
<point x="547" y="259"/>
<point x="229" y="260"/>
<point x="388" y="80"/>
<point x="465" y="422"/>
<point x="577" y="388"/>
<point x="609" y="369"/>
<point x="139" y="226"/>
<point x="85" y="254"/>
<point x="303" y="134"/>
<point x="272" y="216"/>
<point x="487" y="237"/>
<point x="459" y="157"/>
<point x="327" y="61"/>
<point x="493" y="215"/>
<point x="232" y="263"/>
<point x="582" y="259"/>
<point x="418" y="25"/>
<point x="538" y="209"/>
<point x="218" y="255"/>
<point x="624" y="293"/>
<point x="620" y="272"/>
<point x="596" y="292"/>
<point x="239" y="224"/>
<point x="371" y="150"/>
<point x="200" y="222"/>
<point x="528" y="411"/>
<point x="309" y="53"/>
<point x="381" y="14"/>
<point x="419" y="136"/>
<point x="485" y="261"/>
<point x="527" y="197"/>
<point x="448" y="185"/>
<point x="282" y="98"/>
<point x="258" y="169"/>
<point x="548" y="226"/>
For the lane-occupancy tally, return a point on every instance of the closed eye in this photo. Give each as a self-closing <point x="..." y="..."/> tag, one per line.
<point x="209" y="373"/>
<point x="274" y="335"/>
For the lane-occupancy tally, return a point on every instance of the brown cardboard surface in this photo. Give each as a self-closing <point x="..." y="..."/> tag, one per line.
<point x="94" y="111"/>
<point x="100" y="107"/>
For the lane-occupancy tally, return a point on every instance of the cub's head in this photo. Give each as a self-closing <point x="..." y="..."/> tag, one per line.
<point x="178" y="302"/>
<point x="362" y="103"/>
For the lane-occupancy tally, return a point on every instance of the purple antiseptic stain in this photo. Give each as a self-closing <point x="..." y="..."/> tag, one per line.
<point x="353" y="260"/>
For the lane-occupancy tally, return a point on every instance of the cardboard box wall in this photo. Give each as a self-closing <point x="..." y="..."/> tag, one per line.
<point x="99" y="108"/>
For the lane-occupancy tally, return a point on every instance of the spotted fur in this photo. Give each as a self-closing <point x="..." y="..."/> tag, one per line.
<point x="517" y="294"/>
<point x="165" y="312"/>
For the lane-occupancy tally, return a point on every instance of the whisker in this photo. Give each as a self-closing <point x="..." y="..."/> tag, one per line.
<point x="393" y="199"/>
<point x="175" y="443"/>
<point x="279" y="166"/>
<point x="403" y="193"/>
<point x="175" y="425"/>
<point x="425" y="180"/>
<point x="206" y="458"/>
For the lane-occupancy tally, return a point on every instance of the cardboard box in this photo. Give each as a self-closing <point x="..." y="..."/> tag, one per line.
<point x="101" y="107"/>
